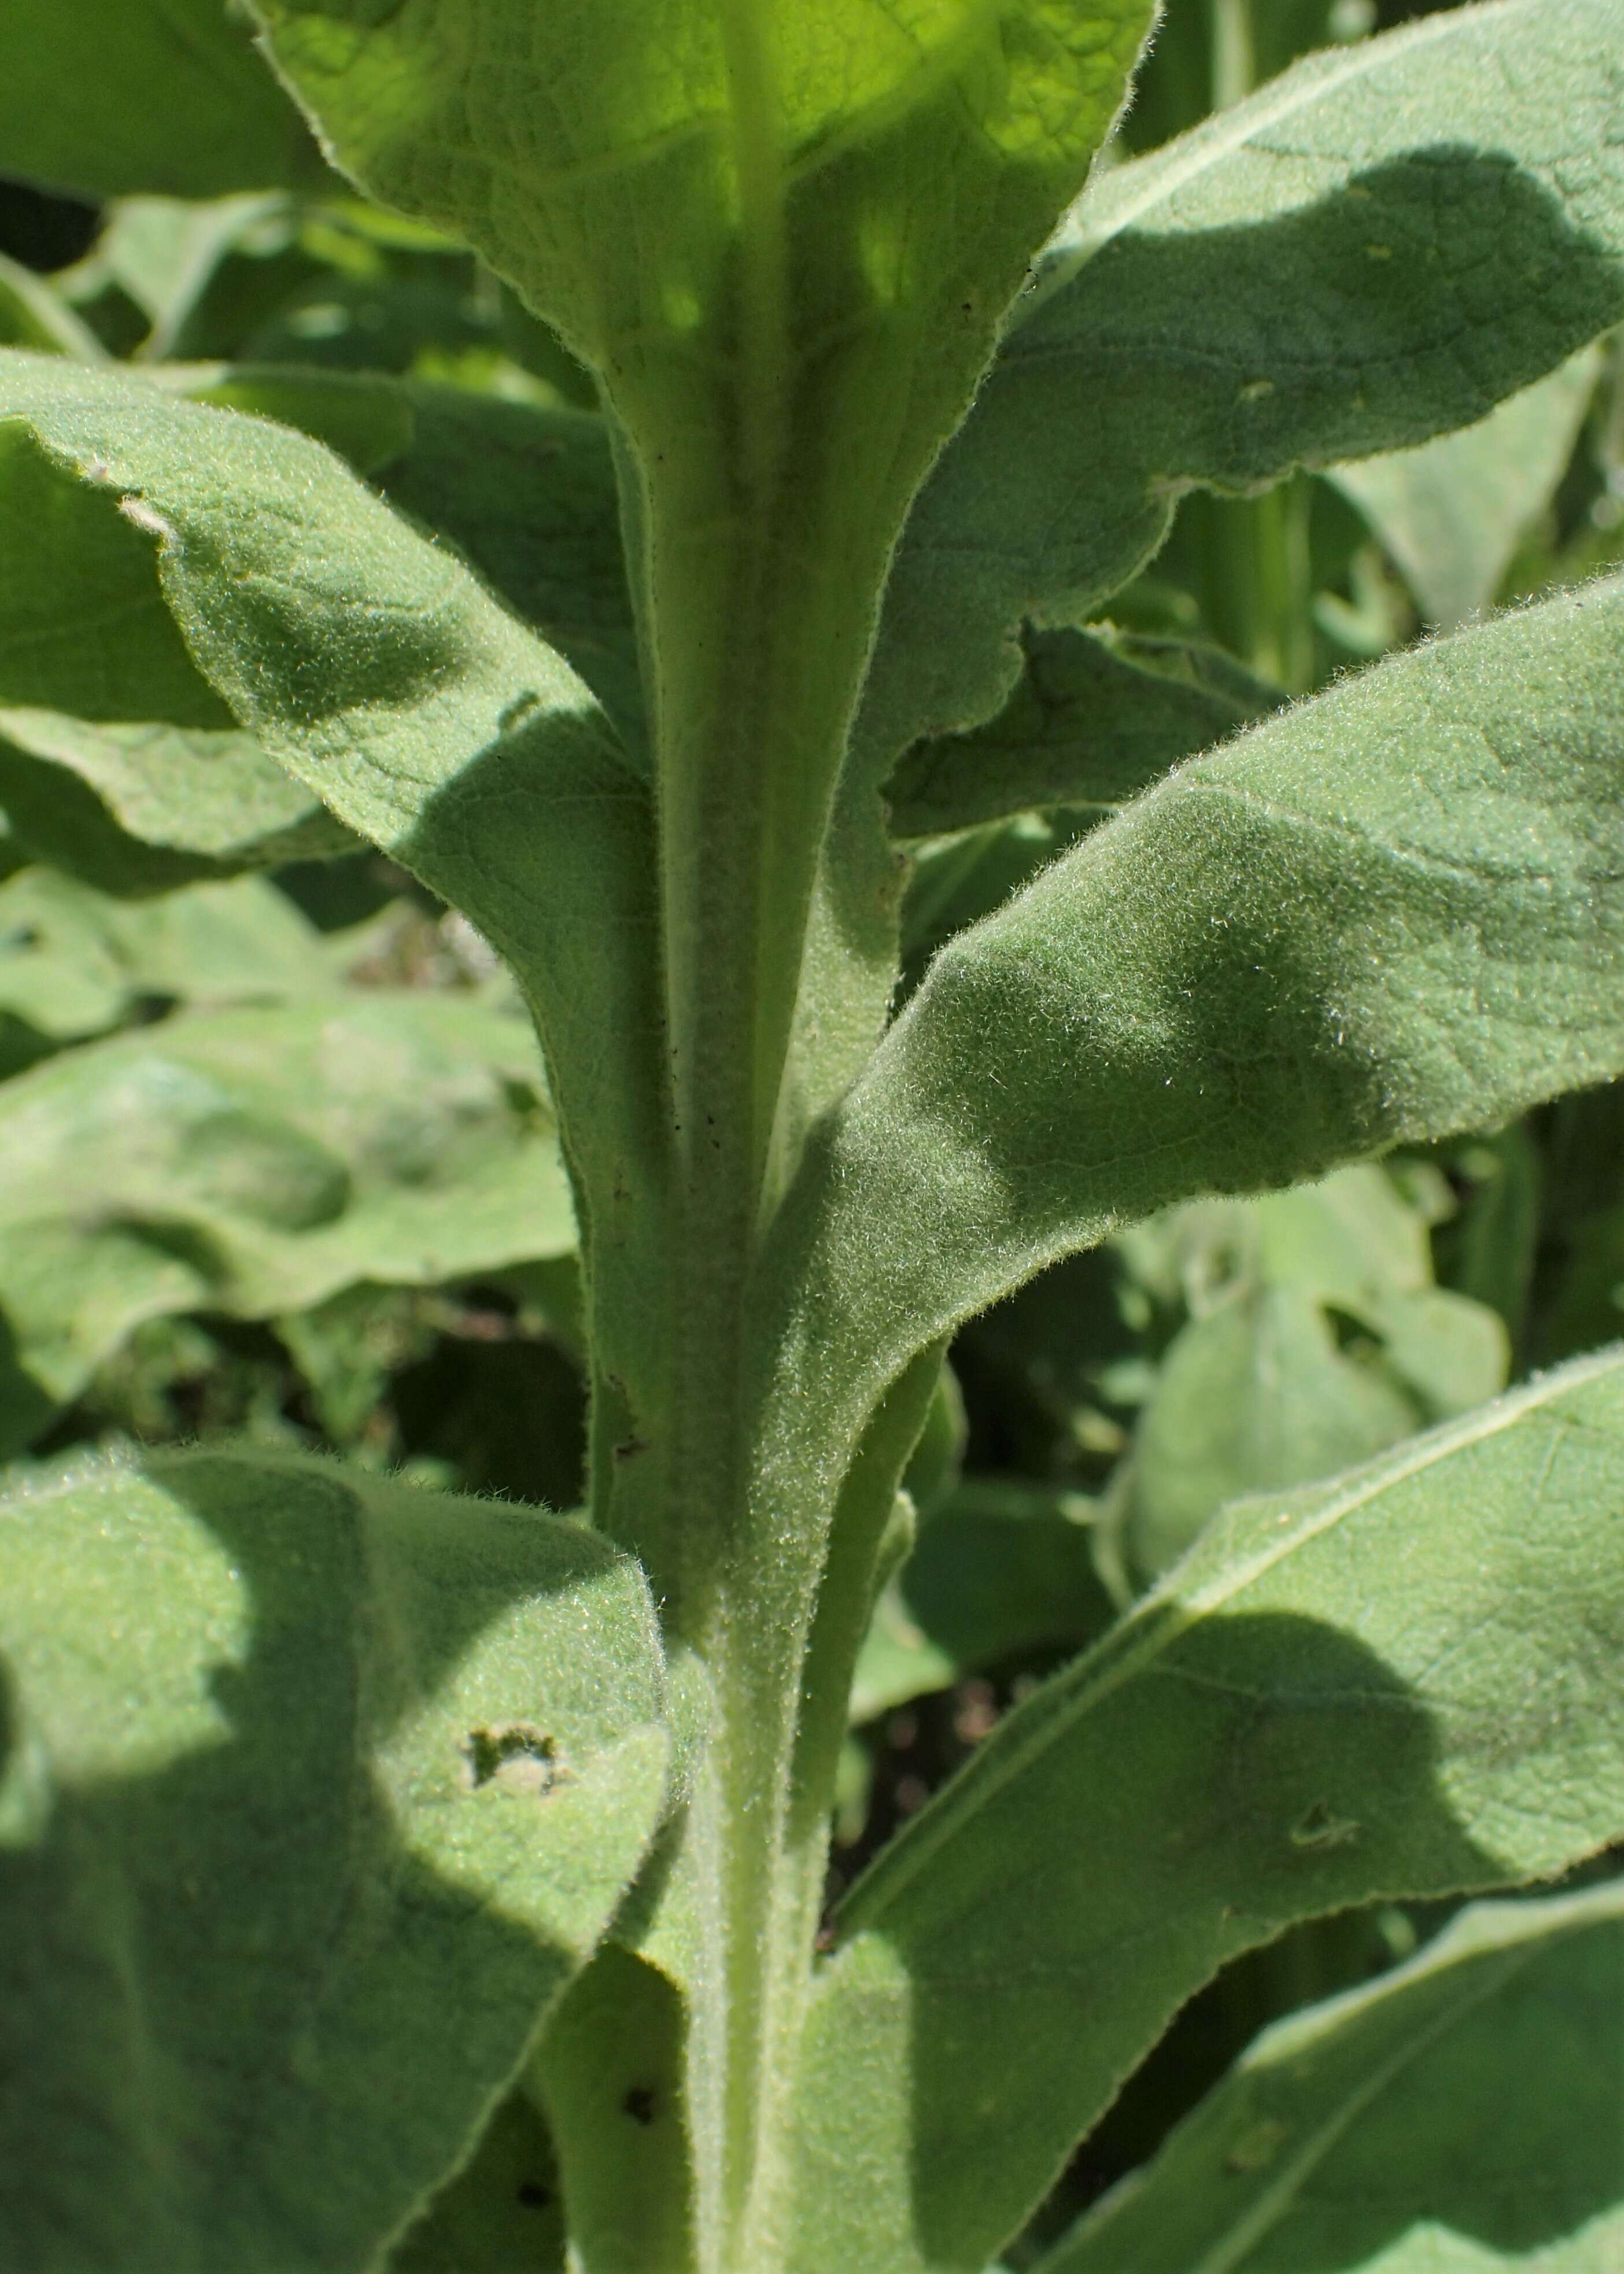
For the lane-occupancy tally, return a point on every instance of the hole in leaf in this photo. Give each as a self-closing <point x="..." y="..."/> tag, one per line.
<point x="513" y="1754"/>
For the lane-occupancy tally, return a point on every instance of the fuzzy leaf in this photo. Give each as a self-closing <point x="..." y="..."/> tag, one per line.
<point x="1466" y="2110"/>
<point x="1374" y="249"/>
<point x="1269" y="1736"/>
<point x="110" y="96"/>
<point x="1394" y="912"/>
<point x="1092" y="720"/>
<point x="316" y="1791"/>
<point x="256" y="1160"/>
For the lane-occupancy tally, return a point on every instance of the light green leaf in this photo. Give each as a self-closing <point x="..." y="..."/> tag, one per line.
<point x="316" y="1792"/>
<point x="1257" y="1390"/>
<point x="109" y="96"/>
<point x="1269" y="1736"/>
<point x="1374" y="249"/>
<point x="1450" y="513"/>
<point x="140" y="808"/>
<point x="1393" y="912"/>
<point x="1254" y="1395"/>
<point x="1092" y="720"/>
<point x="73" y="962"/>
<point x="1465" y="2112"/>
<point x="853" y="189"/>
<point x="256" y="1160"/>
<point x="32" y="315"/>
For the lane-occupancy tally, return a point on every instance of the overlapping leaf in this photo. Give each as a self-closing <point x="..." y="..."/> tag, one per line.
<point x="1373" y="249"/>
<point x="315" y="1792"/>
<point x="115" y="96"/>
<point x="256" y="1160"/>
<point x="1393" y="912"/>
<point x="1272" y="1735"/>
<point x="1466" y="2109"/>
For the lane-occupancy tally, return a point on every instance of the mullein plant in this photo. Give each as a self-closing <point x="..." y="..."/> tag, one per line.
<point x="391" y="1879"/>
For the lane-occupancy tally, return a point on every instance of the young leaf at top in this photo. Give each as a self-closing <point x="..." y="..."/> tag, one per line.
<point x="109" y="96"/>
<point x="1467" y="2108"/>
<point x="1373" y="249"/>
<point x="1269" y="1736"/>
<point x="316" y="1790"/>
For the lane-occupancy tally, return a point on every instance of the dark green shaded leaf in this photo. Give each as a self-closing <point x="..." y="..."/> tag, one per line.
<point x="1092" y="720"/>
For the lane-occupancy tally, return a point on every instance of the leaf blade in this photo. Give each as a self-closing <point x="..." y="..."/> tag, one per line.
<point x="1307" y="1741"/>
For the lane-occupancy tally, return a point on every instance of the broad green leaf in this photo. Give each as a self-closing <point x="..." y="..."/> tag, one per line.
<point x="109" y="96"/>
<point x="1252" y="1397"/>
<point x="1270" y="1737"/>
<point x="140" y="808"/>
<point x="316" y="1792"/>
<point x="1465" y="2112"/>
<point x="1374" y="249"/>
<point x="1003" y="1569"/>
<point x="73" y="963"/>
<point x="1450" y="513"/>
<point x="255" y="1161"/>
<point x="1092" y="720"/>
<point x="840" y="195"/>
<point x="1391" y="913"/>
<point x="1258" y="1390"/>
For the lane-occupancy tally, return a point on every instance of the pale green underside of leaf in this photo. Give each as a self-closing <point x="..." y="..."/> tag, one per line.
<point x="109" y="96"/>
<point x="256" y="1162"/>
<point x="316" y="1792"/>
<point x="1450" y="513"/>
<point x="1374" y="249"/>
<point x="1394" y="912"/>
<point x="1269" y="1736"/>
<point x="1465" y="2113"/>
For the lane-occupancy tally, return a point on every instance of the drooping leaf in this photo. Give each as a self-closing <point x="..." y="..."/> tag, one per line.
<point x="1393" y="912"/>
<point x="316" y="1791"/>
<point x="256" y="1160"/>
<point x="1291" y="283"/>
<point x="110" y="96"/>
<point x="1269" y="1736"/>
<point x="1450" y="513"/>
<point x="1466" y="2110"/>
<point x="1093" y="722"/>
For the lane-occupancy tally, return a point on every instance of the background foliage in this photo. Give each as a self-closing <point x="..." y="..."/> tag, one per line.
<point x="370" y="1252"/>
